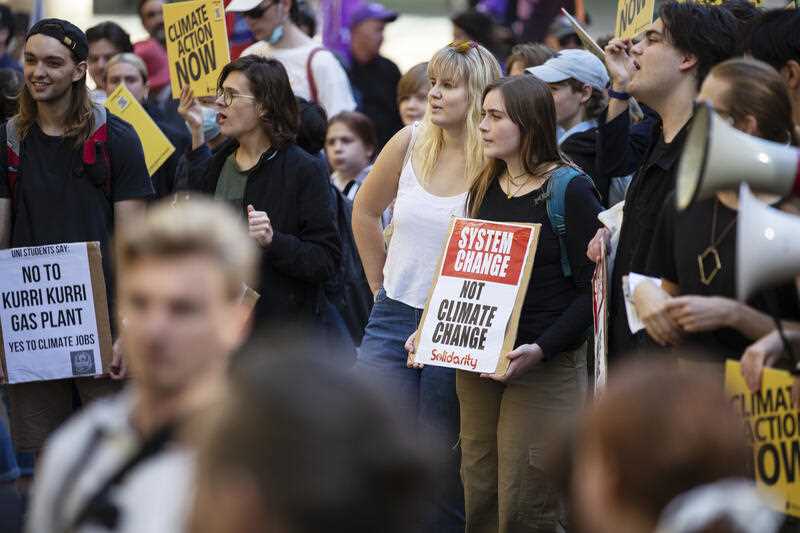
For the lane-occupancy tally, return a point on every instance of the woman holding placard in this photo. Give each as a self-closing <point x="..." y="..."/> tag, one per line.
<point x="425" y="167"/>
<point x="507" y="421"/>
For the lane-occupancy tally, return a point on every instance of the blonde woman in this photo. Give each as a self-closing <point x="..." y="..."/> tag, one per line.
<point x="425" y="167"/>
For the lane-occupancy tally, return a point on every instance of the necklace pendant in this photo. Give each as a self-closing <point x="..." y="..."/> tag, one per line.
<point x="712" y="254"/>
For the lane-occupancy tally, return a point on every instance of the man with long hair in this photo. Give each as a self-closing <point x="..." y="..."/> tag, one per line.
<point x="69" y="173"/>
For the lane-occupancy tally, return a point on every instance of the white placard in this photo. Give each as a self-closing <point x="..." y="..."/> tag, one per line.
<point x="47" y="313"/>
<point x="471" y="317"/>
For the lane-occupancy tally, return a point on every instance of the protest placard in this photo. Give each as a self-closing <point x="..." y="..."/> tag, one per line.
<point x="471" y="317"/>
<point x="773" y="427"/>
<point x="633" y="16"/>
<point x="155" y="144"/>
<point x="719" y="2"/>
<point x="197" y="45"/>
<point x="53" y="312"/>
<point x="585" y="38"/>
<point x="600" y="311"/>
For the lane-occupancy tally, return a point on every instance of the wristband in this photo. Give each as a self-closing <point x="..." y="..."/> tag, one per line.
<point x="618" y="96"/>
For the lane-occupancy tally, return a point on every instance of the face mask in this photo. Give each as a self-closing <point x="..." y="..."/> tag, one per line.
<point x="276" y="35"/>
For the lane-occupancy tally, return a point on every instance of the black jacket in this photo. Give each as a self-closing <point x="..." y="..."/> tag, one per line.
<point x="292" y="188"/>
<point x="581" y="149"/>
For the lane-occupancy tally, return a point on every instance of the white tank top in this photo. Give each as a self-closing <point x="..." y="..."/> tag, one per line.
<point x="421" y="221"/>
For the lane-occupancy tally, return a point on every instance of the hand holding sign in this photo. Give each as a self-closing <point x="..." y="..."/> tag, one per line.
<point x="599" y="245"/>
<point x="259" y="226"/>
<point x="523" y="358"/>
<point x="411" y="348"/>
<point x="190" y="110"/>
<point x="763" y="353"/>
<point x="619" y="63"/>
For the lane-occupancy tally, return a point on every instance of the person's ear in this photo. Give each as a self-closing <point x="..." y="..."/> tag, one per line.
<point x="586" y="93"/>
<point x="791" y="74"/>
<point x="749" y="125"/>
<point x="80" y="71"/>
<point x="688" y="62"/>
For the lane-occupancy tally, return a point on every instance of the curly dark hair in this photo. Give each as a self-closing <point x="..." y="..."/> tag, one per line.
<point x="270" y="86"/>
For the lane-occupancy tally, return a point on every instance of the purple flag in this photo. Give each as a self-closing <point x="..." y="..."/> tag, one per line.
<point x="335" y="20"/>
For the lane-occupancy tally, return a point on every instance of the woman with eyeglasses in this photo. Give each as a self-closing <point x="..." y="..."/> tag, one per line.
<point x="281" y="190"/>
<point x="426" y="168"/>
<point x="694" y="252"/>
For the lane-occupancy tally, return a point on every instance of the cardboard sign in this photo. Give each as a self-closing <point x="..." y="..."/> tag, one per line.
<point x="719" y="2"/>
<point x="585" y="38"/>
<point x="53" y="312"/>
<point x="197" y="45"/>
<point x="471" y="317"/>
<point x="633" y="16"/>
<point x="600" y="311"/>
<point x="773" y="428"/>
<point x="155" y="144"/>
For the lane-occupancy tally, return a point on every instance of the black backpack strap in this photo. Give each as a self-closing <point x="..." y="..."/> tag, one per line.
<point x="99" y="509"/>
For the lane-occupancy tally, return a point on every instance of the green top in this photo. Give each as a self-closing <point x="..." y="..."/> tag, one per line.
<point x="231" y="184"/>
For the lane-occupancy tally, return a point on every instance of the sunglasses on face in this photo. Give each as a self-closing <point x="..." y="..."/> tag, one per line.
<point x="258" y="12"/>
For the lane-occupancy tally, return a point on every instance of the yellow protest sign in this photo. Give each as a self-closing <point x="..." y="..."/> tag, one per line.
<point x="197" y="45"/>
<point x="155" y="144"/>
<point x="719" y="2"/>
<point x="773" y="427"/>
<point x="633" y="16"/>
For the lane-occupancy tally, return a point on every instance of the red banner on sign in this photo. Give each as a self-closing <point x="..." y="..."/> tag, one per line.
<point x="484" y="251"/>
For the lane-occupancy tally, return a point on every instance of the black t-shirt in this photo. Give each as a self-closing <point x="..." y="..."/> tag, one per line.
<point x="678" y="241"/>
<point x="557" y="311"/>
<point x="56" y="202"/>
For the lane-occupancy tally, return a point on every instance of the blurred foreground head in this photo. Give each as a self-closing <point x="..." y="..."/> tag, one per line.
<point x="655" y="434"/>
<point x="298" y="446"/>
<point x="181" y="273"/>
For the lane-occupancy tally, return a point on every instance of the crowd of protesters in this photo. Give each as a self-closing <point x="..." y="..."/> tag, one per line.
<point x="326" y="179"/>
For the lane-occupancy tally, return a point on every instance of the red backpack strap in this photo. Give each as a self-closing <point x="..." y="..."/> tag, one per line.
<point x="13" y="155"/>
<point x="312" y="84"/>
<point x="99" y="137"/>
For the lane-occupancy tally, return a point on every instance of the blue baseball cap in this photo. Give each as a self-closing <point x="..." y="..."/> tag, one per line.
<point x="579" y="65"/>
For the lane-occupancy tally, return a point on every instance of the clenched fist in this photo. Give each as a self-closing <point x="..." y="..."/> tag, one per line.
<point x="259" y="226"/>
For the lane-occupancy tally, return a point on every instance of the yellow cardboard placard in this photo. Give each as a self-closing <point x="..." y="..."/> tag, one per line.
<point x="633" y="16"/>
<point x="197" y="45"/>
<point x="773" y="427"/>
<point x="155" y="144"/>
<point x="719" y="2"/>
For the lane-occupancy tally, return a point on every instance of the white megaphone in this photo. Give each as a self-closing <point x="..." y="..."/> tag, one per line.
<point x="767" y="245"/>
<point x="717" y="157"/>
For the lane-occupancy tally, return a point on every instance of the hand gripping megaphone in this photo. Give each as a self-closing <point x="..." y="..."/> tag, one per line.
<point x="767" y="245"/>
<point x="717" y="157"/>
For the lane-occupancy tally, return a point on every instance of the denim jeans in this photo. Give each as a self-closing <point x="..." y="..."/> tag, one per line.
<point x="425" y="400"/>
